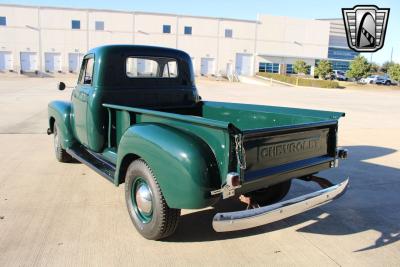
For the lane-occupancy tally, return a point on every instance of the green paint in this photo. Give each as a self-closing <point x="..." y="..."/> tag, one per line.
<point x="60" y="112"/>
<point x="183" y="164"/>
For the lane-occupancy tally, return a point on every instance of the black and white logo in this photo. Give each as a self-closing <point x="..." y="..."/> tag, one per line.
<point x="365" y="27"/>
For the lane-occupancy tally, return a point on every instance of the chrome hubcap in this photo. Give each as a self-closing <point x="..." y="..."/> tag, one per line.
<point x="143" y="199"/>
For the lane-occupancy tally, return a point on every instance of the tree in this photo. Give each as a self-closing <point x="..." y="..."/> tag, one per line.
<point x="386" y="65"/>
<point x="300" y="66"/>
<point x="323" y="69"/>
<point x="359" y="67"/>
<point x="394" y="72"/>
<point x="374" y="68"/>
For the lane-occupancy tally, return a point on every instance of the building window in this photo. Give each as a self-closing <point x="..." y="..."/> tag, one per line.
<point x="340" y="65"/>
<point x="166" y="29"/>
<point x="76" y="24"/>
<point x="3" y="21"/>
<point x="262" y="67"/>
<point x="188" y="30"/>
<point x="99" y="25"/>
<point x="340" y="53"/>
<point x="268" y="67"/>
<point x="289" y="69"/>
<point x="228" y="33"/>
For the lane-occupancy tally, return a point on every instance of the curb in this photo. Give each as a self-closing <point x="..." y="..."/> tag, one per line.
<point x="276" y="81"/>
<point x="292" y="85"/>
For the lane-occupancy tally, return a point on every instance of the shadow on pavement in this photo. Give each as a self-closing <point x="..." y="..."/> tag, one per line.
<point x="371" y="203"/>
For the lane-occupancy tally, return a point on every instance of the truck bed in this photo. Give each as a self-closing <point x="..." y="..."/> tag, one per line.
<point x="251" y="118"/>
<point x="279" y="143"/>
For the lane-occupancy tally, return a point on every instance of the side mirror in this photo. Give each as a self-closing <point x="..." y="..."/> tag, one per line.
<point x="61" y="86"/>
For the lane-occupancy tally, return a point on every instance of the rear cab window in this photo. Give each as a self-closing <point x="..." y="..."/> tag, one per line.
<point x="151" y="67"/>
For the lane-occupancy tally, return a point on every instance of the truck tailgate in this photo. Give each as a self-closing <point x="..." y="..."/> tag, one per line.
<point x="283" y="151"/>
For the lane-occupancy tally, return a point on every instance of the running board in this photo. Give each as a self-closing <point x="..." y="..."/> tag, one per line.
<point x="93" y="161"/>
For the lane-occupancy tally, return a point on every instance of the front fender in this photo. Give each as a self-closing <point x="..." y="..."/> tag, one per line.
<point x="184" y="165"/>
<point x="60" y="112"/>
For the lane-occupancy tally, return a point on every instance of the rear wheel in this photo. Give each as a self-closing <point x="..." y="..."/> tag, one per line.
<point x="147" y="207"/>
<point x="61" y="153"/>
<point x="387" y="83"/>
<point x="271" y="194"/>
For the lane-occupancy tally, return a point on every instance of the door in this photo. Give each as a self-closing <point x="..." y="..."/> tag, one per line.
<point x="57" y="62"/>
<point x="52" y="62"/>
<point x="28" y="61"/>
<point x="207" y="66"/>
<point x="74" y="62"/>
<point x="80" y="97"/>
<point x="6" y="61"/>
<point x="243" y="64"/>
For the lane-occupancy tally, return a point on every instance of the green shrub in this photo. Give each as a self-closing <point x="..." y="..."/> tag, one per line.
<point x="300" y="81"/>
<point x="394" y="72"/>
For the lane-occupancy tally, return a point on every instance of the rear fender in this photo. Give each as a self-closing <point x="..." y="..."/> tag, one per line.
<point x="183" y="164"/>
<point x="59" y="112"/>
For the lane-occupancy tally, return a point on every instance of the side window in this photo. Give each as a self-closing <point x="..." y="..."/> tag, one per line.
<point x="86" y="74"/>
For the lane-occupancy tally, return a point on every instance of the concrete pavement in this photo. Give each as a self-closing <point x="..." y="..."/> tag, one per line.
<point x="57" y="214"/>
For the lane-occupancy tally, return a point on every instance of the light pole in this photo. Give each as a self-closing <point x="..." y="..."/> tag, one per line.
<point x="40" y="44"/>
<point x="391" y="55"/>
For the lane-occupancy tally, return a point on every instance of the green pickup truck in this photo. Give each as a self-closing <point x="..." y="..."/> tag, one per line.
<point x="135" y="117"/>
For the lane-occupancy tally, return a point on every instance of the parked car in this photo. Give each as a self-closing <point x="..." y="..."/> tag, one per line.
<point x="339" y="75"/>
<point x="370" y="79"/>
<point x="136" y="117"/>
<point x="383" y="80"/>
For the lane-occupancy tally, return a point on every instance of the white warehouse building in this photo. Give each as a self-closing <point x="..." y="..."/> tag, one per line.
<point x="50" y="39"/>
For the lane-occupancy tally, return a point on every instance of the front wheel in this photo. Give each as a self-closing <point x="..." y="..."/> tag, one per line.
<point x="147" y="207"/>
<point x="271" y="194"/>
<point x="61" y="153"/>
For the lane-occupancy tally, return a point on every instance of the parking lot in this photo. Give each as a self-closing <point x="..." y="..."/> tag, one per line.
<point x="67" y="215"/>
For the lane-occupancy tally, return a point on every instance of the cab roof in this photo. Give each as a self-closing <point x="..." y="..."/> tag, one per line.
<point x="139" y="50"/>
<point x="110" y="66"/>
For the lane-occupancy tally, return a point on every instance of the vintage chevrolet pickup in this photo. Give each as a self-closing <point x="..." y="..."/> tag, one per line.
<point x="135" y="117"/>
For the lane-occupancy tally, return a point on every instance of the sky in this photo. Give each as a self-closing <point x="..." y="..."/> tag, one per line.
<point x="248" y="9"/>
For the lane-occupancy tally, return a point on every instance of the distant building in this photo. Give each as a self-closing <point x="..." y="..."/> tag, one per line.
<point x="339" y="53"/>
<point x="50" y="39"/>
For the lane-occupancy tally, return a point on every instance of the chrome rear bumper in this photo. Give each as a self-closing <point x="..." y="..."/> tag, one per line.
<point x="238" y="220"/>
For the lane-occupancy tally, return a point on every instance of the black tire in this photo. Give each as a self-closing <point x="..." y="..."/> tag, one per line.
<point x="61" y="153"/>
<point x="387" y="83"/>
<point x="272" y="194"/>
<point x="162" y="221"/>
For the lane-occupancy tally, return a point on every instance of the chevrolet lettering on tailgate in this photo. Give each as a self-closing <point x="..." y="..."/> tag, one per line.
<point x="291" y="147"/>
